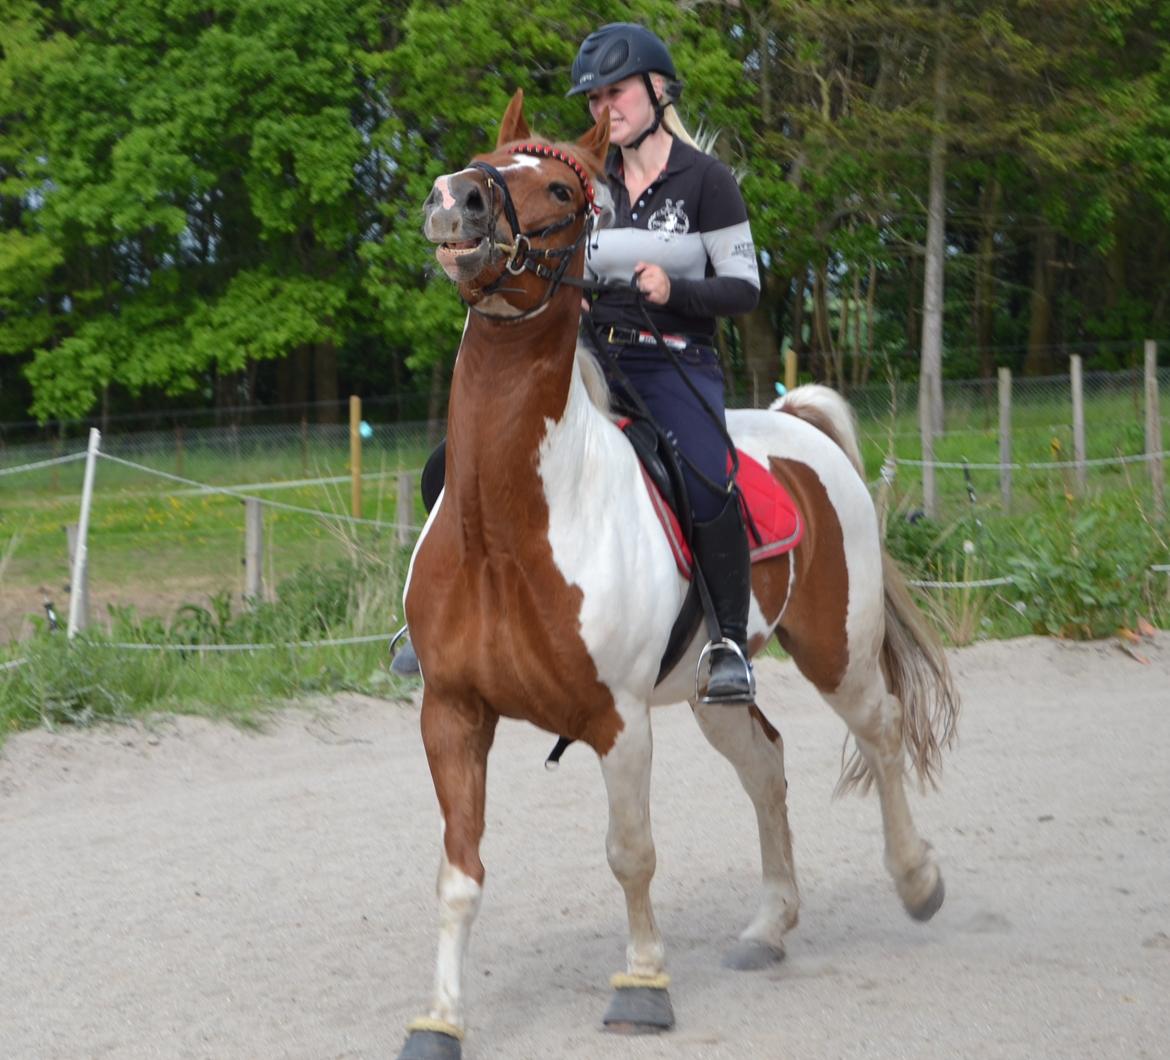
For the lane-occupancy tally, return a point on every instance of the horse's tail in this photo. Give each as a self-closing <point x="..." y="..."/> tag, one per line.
<point x="827" y="410"/>
<point x="912" y="657"/>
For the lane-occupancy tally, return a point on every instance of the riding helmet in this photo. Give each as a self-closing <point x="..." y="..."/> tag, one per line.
<point x="618" y="51"/>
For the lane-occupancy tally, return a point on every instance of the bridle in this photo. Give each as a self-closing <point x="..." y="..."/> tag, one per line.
<point x="549" y="264"/>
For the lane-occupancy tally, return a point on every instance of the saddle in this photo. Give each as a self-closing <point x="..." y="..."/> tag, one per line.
<point x="774" y="525"/>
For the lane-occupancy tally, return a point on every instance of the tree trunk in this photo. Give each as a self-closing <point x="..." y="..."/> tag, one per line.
<point x="1039" y="359"/>
<point x="292" y="378"/>
<point x="325" y="382"/>
<point x="984" y="309"/>
<point x="930" y="375"/>
<point x="757" y="335"/>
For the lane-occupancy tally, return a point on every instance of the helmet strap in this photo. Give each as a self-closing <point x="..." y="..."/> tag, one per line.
<point x="659" y="108"/>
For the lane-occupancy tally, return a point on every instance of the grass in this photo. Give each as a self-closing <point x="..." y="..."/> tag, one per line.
<point x="172" y="559"/>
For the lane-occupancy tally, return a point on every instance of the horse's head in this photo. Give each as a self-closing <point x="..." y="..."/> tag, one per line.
<point x="514" y="222"/>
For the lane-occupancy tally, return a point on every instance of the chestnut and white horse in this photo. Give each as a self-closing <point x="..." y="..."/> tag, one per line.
<point x="543" y="587"/>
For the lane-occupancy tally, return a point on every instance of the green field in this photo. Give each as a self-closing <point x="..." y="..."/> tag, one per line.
<point x="166" y="560"/>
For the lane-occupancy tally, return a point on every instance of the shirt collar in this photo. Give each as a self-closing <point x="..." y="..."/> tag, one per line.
<point x="681" y="157"/>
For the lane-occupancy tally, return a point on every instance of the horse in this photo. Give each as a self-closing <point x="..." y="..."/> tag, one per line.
<point x="542" y="587"/>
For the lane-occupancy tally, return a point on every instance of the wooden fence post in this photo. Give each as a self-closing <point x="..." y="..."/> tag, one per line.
<point x="1154" y="430"/>
<point x="790" y="369"/>
<point x="1078" y="410"/>
<point x="355" y="455"/>
<point x="926" y="429"/>
<point x="404" y="512"/>
<point x="253" y="551"/>
<point x="1005" y="438"/>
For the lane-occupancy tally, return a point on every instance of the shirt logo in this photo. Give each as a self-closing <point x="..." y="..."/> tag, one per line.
<point x="669" y="221"/>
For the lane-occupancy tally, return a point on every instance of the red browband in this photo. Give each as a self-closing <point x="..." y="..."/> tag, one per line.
<point x="548" y="151"/>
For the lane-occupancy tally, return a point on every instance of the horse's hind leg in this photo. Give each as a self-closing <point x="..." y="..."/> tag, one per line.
<point x="874" y="717"/>
<point x="747" y="740"/>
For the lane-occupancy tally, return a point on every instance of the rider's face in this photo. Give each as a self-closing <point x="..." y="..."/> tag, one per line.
<point x="630" y="109"/>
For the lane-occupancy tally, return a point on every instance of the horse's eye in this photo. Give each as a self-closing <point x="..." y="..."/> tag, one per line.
<point x="561" y="192"/>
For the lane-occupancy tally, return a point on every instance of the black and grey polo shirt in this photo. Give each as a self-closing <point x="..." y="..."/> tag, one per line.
<point x="691" y="221"/>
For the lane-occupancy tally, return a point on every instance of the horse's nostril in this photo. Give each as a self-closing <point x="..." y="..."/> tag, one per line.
<point x="474" y="202"/>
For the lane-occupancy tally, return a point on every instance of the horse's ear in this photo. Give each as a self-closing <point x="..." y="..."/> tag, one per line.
<point x="596" y="140"/>
<point x="512" y="125"/>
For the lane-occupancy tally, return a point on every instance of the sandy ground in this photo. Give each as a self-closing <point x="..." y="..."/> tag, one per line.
<point x="191" y="890"/>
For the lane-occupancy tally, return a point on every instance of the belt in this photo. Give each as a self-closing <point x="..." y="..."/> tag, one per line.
<point x="616" y="336"/>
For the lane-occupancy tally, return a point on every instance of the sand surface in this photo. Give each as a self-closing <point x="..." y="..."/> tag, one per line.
<point x="187" y="889"/>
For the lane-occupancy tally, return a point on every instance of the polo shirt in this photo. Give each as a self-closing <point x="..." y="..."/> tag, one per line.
<point x="692" y="221"/>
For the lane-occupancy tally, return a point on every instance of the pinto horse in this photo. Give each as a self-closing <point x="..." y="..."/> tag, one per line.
<point x="543" y="587"/>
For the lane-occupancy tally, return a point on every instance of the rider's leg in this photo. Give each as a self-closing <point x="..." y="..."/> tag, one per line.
<point x="719" y="538"/>
<point x="405" y="662"/>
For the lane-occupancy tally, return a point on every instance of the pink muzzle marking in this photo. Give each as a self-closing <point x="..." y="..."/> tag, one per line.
<point x="443" y="184"/>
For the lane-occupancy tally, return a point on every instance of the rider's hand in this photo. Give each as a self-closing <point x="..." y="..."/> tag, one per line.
<point x="653" y="282"/>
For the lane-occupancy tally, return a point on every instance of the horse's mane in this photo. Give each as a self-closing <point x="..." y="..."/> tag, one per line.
<point x="592" y="375"/>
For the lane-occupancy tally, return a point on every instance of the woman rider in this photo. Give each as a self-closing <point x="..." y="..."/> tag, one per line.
<point x="681" y="231"/>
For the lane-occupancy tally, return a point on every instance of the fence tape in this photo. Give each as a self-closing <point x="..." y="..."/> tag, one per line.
<point x="372" y="638"/>
<point x="981" y="583"/>
<point x="1055" y="465"/>
<point x="228" y="491"/>
<point x="42" y="463"/>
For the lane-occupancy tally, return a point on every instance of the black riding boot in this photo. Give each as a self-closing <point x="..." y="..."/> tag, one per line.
<point x="721" y="549"/>
<point x="404" y="663"/>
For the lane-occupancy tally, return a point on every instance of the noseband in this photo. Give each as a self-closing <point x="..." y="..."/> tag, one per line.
<point x="522" y="255"/>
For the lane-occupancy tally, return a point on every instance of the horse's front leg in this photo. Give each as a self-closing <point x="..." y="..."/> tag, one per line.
<point x="457" y="734"/>
<point x="640" y="1003"/>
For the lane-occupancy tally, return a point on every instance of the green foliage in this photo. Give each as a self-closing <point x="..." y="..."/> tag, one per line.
<point x="92" y="679"/>
<point x="1085" y="572"/>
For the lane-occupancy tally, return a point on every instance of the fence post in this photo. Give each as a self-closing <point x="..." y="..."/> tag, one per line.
<point x="1005" y="438"/>
<point x="1154" y="430"/>
<point x="790" y="369"/>
<point x="926" y="427"/>
<point x="253" y="551"/>
<point x="355" y="455"/>
<point x="78" y="578"/>
<point x="83" y="587"/>
<point x="178" y="449"/>
<point x="404" y="512"/>
<point x="1078" y="410"/>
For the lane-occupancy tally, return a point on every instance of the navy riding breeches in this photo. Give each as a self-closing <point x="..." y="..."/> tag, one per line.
<point x="680" y="415"/>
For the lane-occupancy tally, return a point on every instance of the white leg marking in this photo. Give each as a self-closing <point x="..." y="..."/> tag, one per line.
<point x="459" y="900"/>
<point x="629" y="844"/>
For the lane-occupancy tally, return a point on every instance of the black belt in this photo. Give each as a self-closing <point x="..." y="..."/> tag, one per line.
<point x="618" y="336"/>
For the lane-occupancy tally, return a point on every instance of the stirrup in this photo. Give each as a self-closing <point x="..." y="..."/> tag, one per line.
<point x="727" y="644"/>
<point x="403" y="660"/>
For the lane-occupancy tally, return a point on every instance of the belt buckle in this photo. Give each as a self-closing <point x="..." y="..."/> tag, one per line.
<point x="610" y="337"/>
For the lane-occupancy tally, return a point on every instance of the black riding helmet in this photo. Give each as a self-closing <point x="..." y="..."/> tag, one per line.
<point x="620" y="50"/>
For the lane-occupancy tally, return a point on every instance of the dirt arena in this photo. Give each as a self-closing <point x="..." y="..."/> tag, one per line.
<point x="186" y="889"/>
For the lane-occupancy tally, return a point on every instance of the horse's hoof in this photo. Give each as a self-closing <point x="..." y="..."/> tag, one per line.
<point x="431" y="1045"/>
<point x="639" y="1010"/>
<point x="751" y="955"/>
<point x="925" y="910"/>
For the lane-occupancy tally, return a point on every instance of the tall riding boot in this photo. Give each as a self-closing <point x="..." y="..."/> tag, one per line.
<point x="721" y="549"/>
<point x="404" y="663"/>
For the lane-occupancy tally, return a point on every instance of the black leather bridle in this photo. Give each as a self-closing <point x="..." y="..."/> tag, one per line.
<point x="548" y="263"/>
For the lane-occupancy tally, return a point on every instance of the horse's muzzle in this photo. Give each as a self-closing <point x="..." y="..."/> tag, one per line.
<point x="455" y="217"/>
